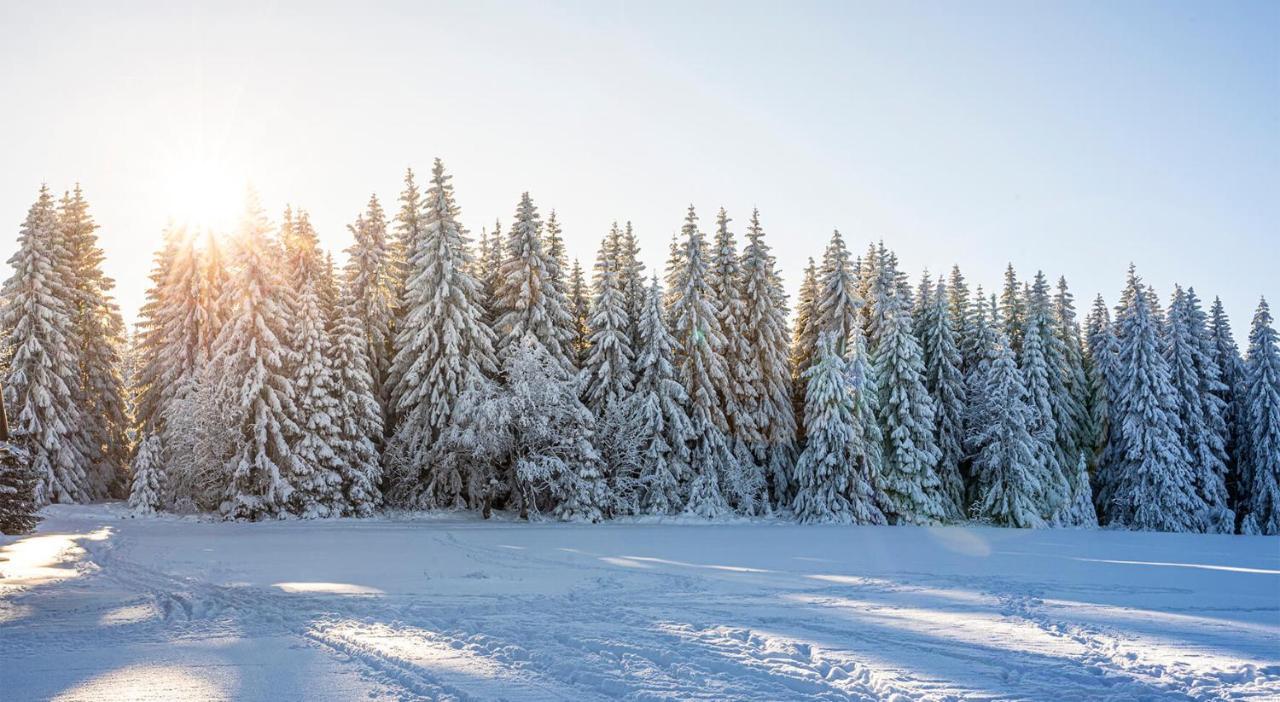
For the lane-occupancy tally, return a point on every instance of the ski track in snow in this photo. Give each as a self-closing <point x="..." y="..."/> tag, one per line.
<point x="98" y="607"/>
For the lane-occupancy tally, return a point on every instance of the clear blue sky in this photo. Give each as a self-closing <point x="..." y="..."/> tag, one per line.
<point x="1072" y="137"/>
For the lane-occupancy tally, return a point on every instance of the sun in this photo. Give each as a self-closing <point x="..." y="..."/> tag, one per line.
<point x="203" y="193"/>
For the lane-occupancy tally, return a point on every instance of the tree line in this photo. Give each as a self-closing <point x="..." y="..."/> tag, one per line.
<point x="433" y="371"/>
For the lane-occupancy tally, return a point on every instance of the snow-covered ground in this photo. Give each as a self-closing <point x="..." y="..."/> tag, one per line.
<point x="100" y="607"/>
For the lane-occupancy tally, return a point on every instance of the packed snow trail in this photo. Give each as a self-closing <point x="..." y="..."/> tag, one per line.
<point x="98" y="606"/>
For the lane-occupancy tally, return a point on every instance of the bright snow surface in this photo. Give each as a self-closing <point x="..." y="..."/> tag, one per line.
<point x="98" y="606"/>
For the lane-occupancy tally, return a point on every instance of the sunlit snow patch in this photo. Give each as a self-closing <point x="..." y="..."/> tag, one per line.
<point x="329" y="588"/>
<point x="145" y="683"/>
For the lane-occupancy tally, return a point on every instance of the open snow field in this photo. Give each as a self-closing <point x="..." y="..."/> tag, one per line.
<point x="100" y="607"/>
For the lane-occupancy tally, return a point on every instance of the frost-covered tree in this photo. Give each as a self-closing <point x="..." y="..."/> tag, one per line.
<point x="631" y="281"/>
<point x="1196" y="382"/>
<point x="357" y="416"/>
<point x="1262" y="402"/>
<point x="764" y="331"/>
<point x="1226" y="355"/>
<point x="147" y="493"/>
<point x="251" y="358"/>
<point x="1006" y="470"/>
<point x="702" y="370"/>
<point x="1041" y="363"/>
<point x="316" y="469"/>
<point x="528" y="302"/>
<point x="558" y="292"/>
<point x="370" y="279"/>
<point x="43" y="369"/>
<point x="1154" y="485"/>
<point x="913" y="492"/>
<point x="151" y="384"/>
<point x="406" y="239"/>
<point x="1104" y="384"/>
<point x="607" y="370"/>
<point x="18" y="480"/>
<point x="1074" y="437"/>
<point x="1012" y="310"/>
<point x="804" y="340"/>
<point x="946" y="385"/>
<point x="98" y="336"/>
<point x="658" y="408"/>
<point x="740" y="394"/>
<point x="534" y="429"/>
<point x="441" y="343"/>
<point x="833" y="479"/>
<point x="1081" y="512"/>
<point x="580" y="310"/>
<point x="837" y="300"/>
<point x="958" y="310"/>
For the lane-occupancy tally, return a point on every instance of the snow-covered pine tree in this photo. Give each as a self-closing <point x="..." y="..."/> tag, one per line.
<point x="1081" y="513"/>
<point x="149" y="387"/>
<point x="147" y="493"/>
<point x="1074" y="437"/>
<point x="700" y="360"/>
<point x="98" y="335"/>
<point x="488" y="264"/>
<point x="631" y="281"/>
<point x="804" y="342"/>
<point x="42" y="368"/>
<point x="316" y="469"/>
<point x="607" y="371"/>
<point x="209" y="315"/>
<point x="558" y="292"/>
<point x="250" y="357"/>
<point x="837" y="300"/>
<point x="833" y="483"/>
<point x="357" y="414"/>
<point x="984" y="324"/>
<point x="1041" y="363"/>
<point x="580" y="309"/>
<point x="18" y="480"/>
<point x="441" y="343"/>
<point x="1262" y="400"/>
<point x="1226" y="355"/>
<point x="1006" y="470"/>
<point x="1104" y="383"/>
<point x="406" y="239"/>
<point x="764" y="330"/>
<point x="946" y="385"/>
<point x="958" y="310"/>
<point x="739" y="395"/>
<point x="658" y="408"/>
<point x="527" y="300"/>
<point x="913" y="492"/>
<point x="370" y="278"/>
<point x="1012" y="310"/>
<point x="1154" y="486"/>
<point x="1195" y="378"/>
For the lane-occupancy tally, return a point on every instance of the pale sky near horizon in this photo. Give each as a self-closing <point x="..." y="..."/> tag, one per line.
<point x="1072" y="137"/>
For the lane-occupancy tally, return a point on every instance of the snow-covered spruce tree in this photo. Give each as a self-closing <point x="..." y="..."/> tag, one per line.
<point x="18" y="480"/>
<point x="631" y="281"/>
<point x="1195" y="378"/>
<point x="764" y="330"/>
<point x="982" y="343"/>
<point x="700" y="361"/>
<point x="149" y="387"/>
<point x="1081" y="512"/>
<point x="1006" y="470"/>
<point x="804" y="342"/>
<point x="1154" y="485"/>
<point x="486" y="267"/>
<point x="147" y="493"/>
<point x="607" y="371"/>
<point x="558" y="291"/>
<point x="1013" y="310"/>
<point x="533" y="428"/>
<point x="316" y="469"/>
<point x="1041" y="364"/>
<point x="832" y="479"/>
<point x="838" y="303"/>
<point x="441" y="343"/>
<point x="958" y="310"/>
<point x="357" y="414"/>
<point x="1104" y="384"/>
<point x="210" y="317"/>
<point x="1074" y="437"/>
<point x="739" y="395"/>
<point x="405" y="240"/>
<point x="42" y="368"/>
<point x="250" y="357"/>
<point x="99" y="336"/>
<point x="910" y="482"/>
<point x="1226" y="355"/>
<point x="1262" y="400"/>
<point x="658" y="408"/>
<point x="945" y="383"/>
<point x="370" y="279"/>
<point x="527" y="299"/>
<point x="580" y="310"/>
